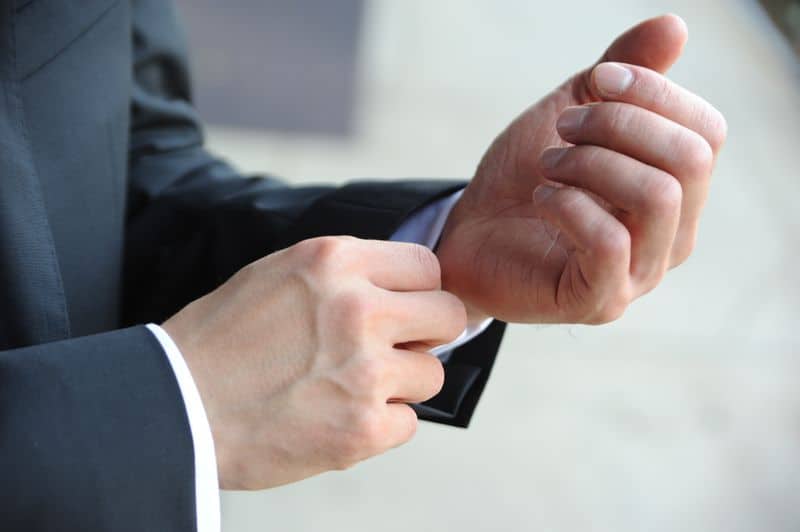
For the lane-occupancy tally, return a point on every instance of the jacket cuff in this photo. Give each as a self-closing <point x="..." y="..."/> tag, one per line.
<point x="95" y="423"/>
<point x="466" y="373"/>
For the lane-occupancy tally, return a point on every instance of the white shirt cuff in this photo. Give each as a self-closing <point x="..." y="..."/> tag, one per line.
<point x="206" y="484"/>
<point x="425" y="227"/>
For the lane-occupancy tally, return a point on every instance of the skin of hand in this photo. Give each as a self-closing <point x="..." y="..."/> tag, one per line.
<point x="305" y="359"/>
<point x="587" y="198"/>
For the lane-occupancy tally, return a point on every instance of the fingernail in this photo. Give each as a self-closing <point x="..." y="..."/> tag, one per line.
<point x="571" y="120"/>
<point x="612" y="79"/>
<point x="542" y="192"/>
<point x="551" y="157"/>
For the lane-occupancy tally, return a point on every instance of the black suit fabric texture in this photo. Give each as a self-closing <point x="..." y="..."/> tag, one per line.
<point x="113" y="215"/>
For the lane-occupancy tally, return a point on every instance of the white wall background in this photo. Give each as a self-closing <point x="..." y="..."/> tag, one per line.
<point x="682" y="416"/>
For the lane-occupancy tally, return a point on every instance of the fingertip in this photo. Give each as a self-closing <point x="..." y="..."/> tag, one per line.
<point x="681" y="28"/>
<point x="571" y="120"/>
<point x="611" y="79"/>
<point x="676" y="32"/>
<point x="551" y="157"/>
<point x="655" y="43"/>
<point x="542" y="193"/>
<point x="720" y="131"/>
<point x="403" y="423"/>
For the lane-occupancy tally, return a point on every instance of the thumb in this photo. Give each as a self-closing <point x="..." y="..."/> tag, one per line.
<point x="655" y="43"/>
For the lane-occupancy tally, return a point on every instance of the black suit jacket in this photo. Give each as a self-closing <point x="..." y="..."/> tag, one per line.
<point x="113" y="214"/>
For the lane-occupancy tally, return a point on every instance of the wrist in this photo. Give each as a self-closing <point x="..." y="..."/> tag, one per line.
<point x="449" y="251"/>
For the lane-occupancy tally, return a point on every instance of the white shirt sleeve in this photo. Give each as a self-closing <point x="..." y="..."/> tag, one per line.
<point x="206" y="484"/>
<point x="423" y="227"/>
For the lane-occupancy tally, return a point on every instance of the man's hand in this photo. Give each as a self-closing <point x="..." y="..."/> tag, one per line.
<point x="587" y="198"/>
<point x="304" y="359"/>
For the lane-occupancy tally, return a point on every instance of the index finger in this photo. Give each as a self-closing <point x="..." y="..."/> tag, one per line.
<point x="400" y="266"/>
<point x="652" y="91"/>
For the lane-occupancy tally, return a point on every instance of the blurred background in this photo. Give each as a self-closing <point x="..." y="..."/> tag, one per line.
<point x="682" y="416"/>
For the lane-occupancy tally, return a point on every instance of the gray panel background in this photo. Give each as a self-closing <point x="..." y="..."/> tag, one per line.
<point x="288" y="66"/>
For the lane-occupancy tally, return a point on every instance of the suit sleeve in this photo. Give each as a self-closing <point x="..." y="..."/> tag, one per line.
<point x="193" y="220"/>
<point x="94" y="436"/>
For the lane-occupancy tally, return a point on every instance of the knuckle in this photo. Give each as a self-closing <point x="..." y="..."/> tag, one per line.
<point x="722" y="131"/>
<point x="427" y="262"/>
<point x="437" y="378"/>
<point x="608" y="313"/>
<point x="609" y="308"/>
<point x="664" y="196"/>
<point x="567" y="202"/>
<point x="613" y="244"/>
<point x="323" y="253"/>
<point x="698" y="158"/>
<point x="456" y="316"/>
<point x="410" y="424"/>
<point x="355" y="442"/>
<point x="366" y="432"/>
<point x="368" y="375"/>
<point x="354" y="310"/>
<point x="613" y="120"/>
<point x="430" y="376"/>
<point x="249" y="273"/>
<point x="590" y="157"/>
<point x="648" y="278"/>
<point x="664" y="92"/>
<point x="655" y="278"/>
<point x="682" y="249"/>
<point x="716" y="128"/>
<point x="583" y="159"/>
